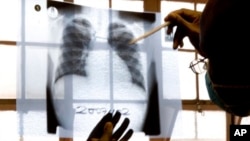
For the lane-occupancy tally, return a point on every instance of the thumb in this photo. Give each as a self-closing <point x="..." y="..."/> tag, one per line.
<point x="107" y="133"/>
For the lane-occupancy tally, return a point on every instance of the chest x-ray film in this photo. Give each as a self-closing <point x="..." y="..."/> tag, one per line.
<point x="77" y="64"/>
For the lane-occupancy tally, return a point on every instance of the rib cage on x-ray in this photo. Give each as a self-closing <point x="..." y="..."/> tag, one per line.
<point x="119" y="38"/>
<point x="76" y="39"/>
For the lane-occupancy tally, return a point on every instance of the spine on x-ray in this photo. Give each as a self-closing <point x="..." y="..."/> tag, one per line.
<point x="119" y="39"/>
<point x="76" y="40"/>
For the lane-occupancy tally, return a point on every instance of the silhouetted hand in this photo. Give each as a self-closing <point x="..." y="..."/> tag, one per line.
<point x="103" y="131"/>
<point x="187" y="23"/>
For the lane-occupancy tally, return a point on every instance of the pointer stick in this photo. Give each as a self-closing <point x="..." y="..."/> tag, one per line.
<point x="149" y="32"/>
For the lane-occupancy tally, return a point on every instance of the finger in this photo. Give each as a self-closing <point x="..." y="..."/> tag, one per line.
<point x="186" y="14"/>
<point x="172" y="19"/>
<point x="182" y="17"/>
<point x="176" y="20"/>
<point x="116" y="118"/>
<point x="127" y="136"/>
<point x="169" y="29"/>
<point x="178" y="38"/>
<point x="118" y="133"/>
<point x="98" y="130"/>
<point x="107" y="132"/>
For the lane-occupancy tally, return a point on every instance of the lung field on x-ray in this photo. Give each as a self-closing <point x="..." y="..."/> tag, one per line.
<point x="75" y="46"/>
<point x="119" y="38"/>
<point x="76" y="39"/>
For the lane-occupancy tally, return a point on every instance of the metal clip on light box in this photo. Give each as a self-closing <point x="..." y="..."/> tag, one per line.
<point x="149" y="32"/>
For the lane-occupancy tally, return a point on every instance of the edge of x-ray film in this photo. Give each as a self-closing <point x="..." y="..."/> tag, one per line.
<point x="149" y="32"/>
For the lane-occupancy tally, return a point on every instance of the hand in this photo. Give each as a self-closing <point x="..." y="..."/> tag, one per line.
<point x="187" y="22"/>
<point x="103" y="131"/>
